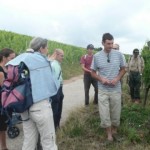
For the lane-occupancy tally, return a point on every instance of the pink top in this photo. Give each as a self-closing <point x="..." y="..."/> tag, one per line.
<point x="87" y="61"/>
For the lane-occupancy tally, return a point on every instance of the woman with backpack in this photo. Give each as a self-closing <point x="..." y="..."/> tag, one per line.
<point x="39" y="117"/>
<point x="6" y="55"/>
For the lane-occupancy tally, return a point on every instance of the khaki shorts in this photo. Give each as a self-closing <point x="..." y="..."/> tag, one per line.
<point x="109" y="108"/>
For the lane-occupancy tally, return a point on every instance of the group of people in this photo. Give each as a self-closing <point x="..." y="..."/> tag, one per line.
<point x="47" y="92"/>
<point x="104" y="71"/>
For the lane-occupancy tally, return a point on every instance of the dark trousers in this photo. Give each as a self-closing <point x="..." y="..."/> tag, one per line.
<point x="88" y="80"/>
<point x="57" y="104"/>
<point x="134" y="84"/>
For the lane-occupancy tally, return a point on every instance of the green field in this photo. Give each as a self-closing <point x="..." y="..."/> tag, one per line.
<point x="19" y="43"/>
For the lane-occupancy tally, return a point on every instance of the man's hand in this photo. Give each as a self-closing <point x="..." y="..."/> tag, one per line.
<point x="114" y="81"/>
<point x="105" y="81"/>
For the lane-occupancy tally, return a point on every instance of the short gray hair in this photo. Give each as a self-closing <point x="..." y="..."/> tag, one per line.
<point x="38" y="42"/>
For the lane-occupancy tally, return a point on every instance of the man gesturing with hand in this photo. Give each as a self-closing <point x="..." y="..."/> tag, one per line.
<point x="110" y="65"/>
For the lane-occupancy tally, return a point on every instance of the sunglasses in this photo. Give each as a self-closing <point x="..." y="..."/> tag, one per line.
<point x="108" y="58"/>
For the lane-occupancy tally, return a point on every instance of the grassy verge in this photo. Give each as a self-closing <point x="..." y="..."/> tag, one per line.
<point x="71" y="70"/>
<point x="82" y="130"/>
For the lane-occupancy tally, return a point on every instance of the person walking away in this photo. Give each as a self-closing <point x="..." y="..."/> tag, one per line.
<point x="6" y="55"/>
<point x="109" y="75"/>
<point x="43" y="86"/>
<point x="135" y="70"/>
<point x="57" y="100"/>
<point x="85" y="62"/>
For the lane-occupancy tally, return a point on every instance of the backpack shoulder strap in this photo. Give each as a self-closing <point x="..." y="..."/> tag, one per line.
<point x="59" y="75"/>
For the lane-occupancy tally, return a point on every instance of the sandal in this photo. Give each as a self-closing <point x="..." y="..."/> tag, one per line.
<point x="117" y="138"/>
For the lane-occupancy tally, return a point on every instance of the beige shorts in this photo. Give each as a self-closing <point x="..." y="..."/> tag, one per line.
<point x="109" y="108"/>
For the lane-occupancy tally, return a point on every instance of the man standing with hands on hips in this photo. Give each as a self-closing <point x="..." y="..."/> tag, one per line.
<point x="85" y="62"/>
<point x="110" y="65"/>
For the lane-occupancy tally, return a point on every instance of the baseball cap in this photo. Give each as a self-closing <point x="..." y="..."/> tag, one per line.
<point x="90" y="46"/>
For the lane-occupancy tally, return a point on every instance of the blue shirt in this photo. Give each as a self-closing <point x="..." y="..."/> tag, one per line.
<point x="57" y="70"/>
<point x="43" y="82"/>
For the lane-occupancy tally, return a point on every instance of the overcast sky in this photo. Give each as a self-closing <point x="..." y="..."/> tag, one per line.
<point x="80" y="22"/>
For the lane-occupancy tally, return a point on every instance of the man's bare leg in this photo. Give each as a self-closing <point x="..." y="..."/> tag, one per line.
<point x="114" y="130"/>
<point x="109" y="134"/>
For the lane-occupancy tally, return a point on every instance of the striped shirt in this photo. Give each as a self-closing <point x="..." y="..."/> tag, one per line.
<point x="108" y="66"/>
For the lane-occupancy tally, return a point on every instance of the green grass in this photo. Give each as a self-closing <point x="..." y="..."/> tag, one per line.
<point x="71" y="70"/>
<point x="82" y="130"/>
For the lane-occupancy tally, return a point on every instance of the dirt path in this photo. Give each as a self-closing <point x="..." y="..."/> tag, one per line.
<point x="74" y="97"/>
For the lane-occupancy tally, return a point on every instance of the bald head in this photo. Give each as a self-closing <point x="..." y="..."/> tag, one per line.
<point x="116" y="46"/>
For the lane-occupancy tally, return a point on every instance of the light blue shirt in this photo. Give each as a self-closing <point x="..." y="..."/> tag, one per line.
<point x="57" y="69"/>
<point x="43" y="82"/>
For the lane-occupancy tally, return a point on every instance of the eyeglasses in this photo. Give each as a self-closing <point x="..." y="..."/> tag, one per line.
<point x="108" y="58"/>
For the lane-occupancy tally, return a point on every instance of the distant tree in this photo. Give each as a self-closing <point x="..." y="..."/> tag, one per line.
<point x="146" y="57"/>
<point x="146" y="73"/>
